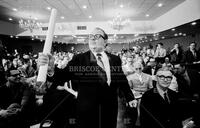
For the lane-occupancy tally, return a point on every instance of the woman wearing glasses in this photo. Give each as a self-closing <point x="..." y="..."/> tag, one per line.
<point x="139" y="83"/>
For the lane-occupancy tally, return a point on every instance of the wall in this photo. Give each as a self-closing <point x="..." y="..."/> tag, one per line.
<point x="185" y="12"/>
<point x="7" y="28"/>
<point x="71" y="28"/>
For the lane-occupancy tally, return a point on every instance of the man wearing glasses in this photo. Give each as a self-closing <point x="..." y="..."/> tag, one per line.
<point x="96" y="75"/>
<point x="160" y="106"/>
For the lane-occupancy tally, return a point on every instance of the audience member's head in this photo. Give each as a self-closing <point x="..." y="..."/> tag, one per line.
<point x="164" y="77"/>
<point x="138" y="67"/>
<point x="192" y="46"/>
<point x="179" y="68"/>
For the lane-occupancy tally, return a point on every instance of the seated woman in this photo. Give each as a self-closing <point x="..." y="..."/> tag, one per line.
<point x="139" y="83"/>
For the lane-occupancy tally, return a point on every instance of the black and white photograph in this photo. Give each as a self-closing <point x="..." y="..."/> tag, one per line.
<point x="99" y="63"/>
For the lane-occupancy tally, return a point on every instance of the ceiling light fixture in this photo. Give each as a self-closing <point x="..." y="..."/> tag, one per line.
<point x="48" y="8"/>
<point x="147" y="15"/>
<point x="121" y="6"/>
<point x="84" y="6"/>
<point x="14" y="9"/>
<point x="118" y="23"/>
<point x="193" y="23"/>
<point x="30" y="24"/>
<point x="160" y="5"/>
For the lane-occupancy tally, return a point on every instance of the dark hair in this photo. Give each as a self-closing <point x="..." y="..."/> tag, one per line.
<point x="104" y="33"/>
<point x="160" y="43"/>
<point x="193" y="43"/>
<point x="164" y="69"/>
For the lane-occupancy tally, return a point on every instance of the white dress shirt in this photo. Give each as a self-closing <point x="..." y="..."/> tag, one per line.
<point x="106" y="64"/>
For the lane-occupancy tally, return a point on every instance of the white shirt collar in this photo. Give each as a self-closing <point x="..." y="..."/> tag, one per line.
<point x="102" y="53"/>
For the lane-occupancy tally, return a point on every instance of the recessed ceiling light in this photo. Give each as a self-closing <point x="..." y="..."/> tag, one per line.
<point x="10" y="19"/>
<point x="180" y="33"/>
<point x="84" y="6"/>
<point x="184" y="34"/>
<point x="11" y="36"/>
<point x="160" y="5"/>
<point x="90" y="17"/>
<point x="173" y="29"/>
<point x="121" y="6"/>
<point x="48" y="8"/>
<point x="62" y="17"/>
<point x="175" y="34"/>
<point x="17" y="37"/>
<point x="147" y="15"/>
<point x="14" y="9"/>
<point x="193" y="23"/>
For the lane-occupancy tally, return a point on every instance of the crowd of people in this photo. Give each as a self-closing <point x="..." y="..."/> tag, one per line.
<point x="82" y="89"/>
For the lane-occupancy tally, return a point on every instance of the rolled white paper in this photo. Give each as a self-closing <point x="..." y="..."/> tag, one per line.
<point x="47" y="46"/>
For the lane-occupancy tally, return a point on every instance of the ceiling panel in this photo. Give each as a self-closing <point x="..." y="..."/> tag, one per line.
<point x="100" y="10"/>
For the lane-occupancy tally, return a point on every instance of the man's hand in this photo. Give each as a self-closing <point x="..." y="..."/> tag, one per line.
<point x="133" y="103"/>
<point x="68" y="88"/>
<point x="43" y="59"/>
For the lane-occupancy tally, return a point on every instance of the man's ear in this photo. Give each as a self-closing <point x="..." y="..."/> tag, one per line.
<point x="105" y="43"/>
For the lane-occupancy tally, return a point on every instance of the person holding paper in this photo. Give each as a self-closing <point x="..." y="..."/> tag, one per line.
<point x="97" y="76"/>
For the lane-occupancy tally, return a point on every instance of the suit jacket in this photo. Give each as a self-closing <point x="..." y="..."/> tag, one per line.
<point x="176" y="58"/>
<point x="156" y="113"/>
<point x="190" y="95"/>
<point x="189" y="58"/>
<point x="93" y="91"/>
<point x="189" y="90"/>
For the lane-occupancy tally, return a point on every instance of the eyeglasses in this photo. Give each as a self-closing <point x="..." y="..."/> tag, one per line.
<point x="168" y="78"/>
<point x="96" y="36"/>
<point x="138" y="68"/>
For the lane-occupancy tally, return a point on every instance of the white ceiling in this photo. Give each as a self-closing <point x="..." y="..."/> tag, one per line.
<point x="73" y="11"/>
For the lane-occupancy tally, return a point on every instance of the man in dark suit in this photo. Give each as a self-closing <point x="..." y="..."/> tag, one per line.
<point x="176" y="54"/>
<point x="189" y="90"/>
<point x="191" y="56"/>
<point x="97" y="75"/>
<point x="159" y="106"/>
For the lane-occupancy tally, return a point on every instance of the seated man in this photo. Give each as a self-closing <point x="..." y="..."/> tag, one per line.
<point x="160" y="105"/>
<point x="19" y="109"/>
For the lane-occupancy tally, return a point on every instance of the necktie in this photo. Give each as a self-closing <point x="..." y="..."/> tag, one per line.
<point x="166" y="98"/>
<point x="101" y="71"/>
<point x="99" y="61"/>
